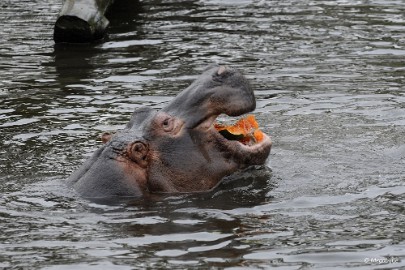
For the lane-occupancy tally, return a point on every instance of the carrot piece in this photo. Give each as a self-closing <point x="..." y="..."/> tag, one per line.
<point x="259" y="135"/>
<point x="245" y="130"/>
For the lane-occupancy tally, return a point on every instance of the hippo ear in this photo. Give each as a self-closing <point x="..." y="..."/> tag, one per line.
<point x="139" y="116"/>
<point x="106" y="137"/>
<point x="138" y="152"/>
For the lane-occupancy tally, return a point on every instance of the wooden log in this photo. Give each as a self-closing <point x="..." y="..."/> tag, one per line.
<point x="81" y="21"/>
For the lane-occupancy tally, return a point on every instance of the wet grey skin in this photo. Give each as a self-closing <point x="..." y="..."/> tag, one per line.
<point x="175" y="149"/>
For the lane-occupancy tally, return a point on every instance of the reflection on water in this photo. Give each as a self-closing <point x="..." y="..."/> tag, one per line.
<point x="329" y="79"/>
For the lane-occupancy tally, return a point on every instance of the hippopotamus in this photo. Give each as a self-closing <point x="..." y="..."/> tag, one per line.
<point x="175" y="149"/>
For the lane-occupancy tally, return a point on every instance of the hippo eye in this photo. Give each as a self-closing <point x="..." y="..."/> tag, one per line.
<point x="168" y="124"/>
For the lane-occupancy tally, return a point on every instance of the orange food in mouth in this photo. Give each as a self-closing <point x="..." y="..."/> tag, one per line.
<point x="245" y="130"/>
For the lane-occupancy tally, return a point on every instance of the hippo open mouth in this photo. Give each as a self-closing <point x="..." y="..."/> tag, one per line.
<point x="249" y="146"/>
<point x="180" y="148"/>
<point x="248" y="143"/>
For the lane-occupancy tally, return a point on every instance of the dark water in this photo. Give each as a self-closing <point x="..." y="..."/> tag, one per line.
<point x="329" y="79"/>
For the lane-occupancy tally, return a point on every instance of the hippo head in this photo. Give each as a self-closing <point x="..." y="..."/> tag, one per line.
<point x="175" y="149"/>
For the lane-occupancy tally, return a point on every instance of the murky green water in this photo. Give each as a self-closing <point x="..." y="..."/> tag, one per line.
<point x="329" y="78"/>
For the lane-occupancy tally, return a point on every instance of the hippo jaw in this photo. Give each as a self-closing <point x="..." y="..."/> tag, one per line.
<point x="203" y="156"/>
<point x="196" y="159"/>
